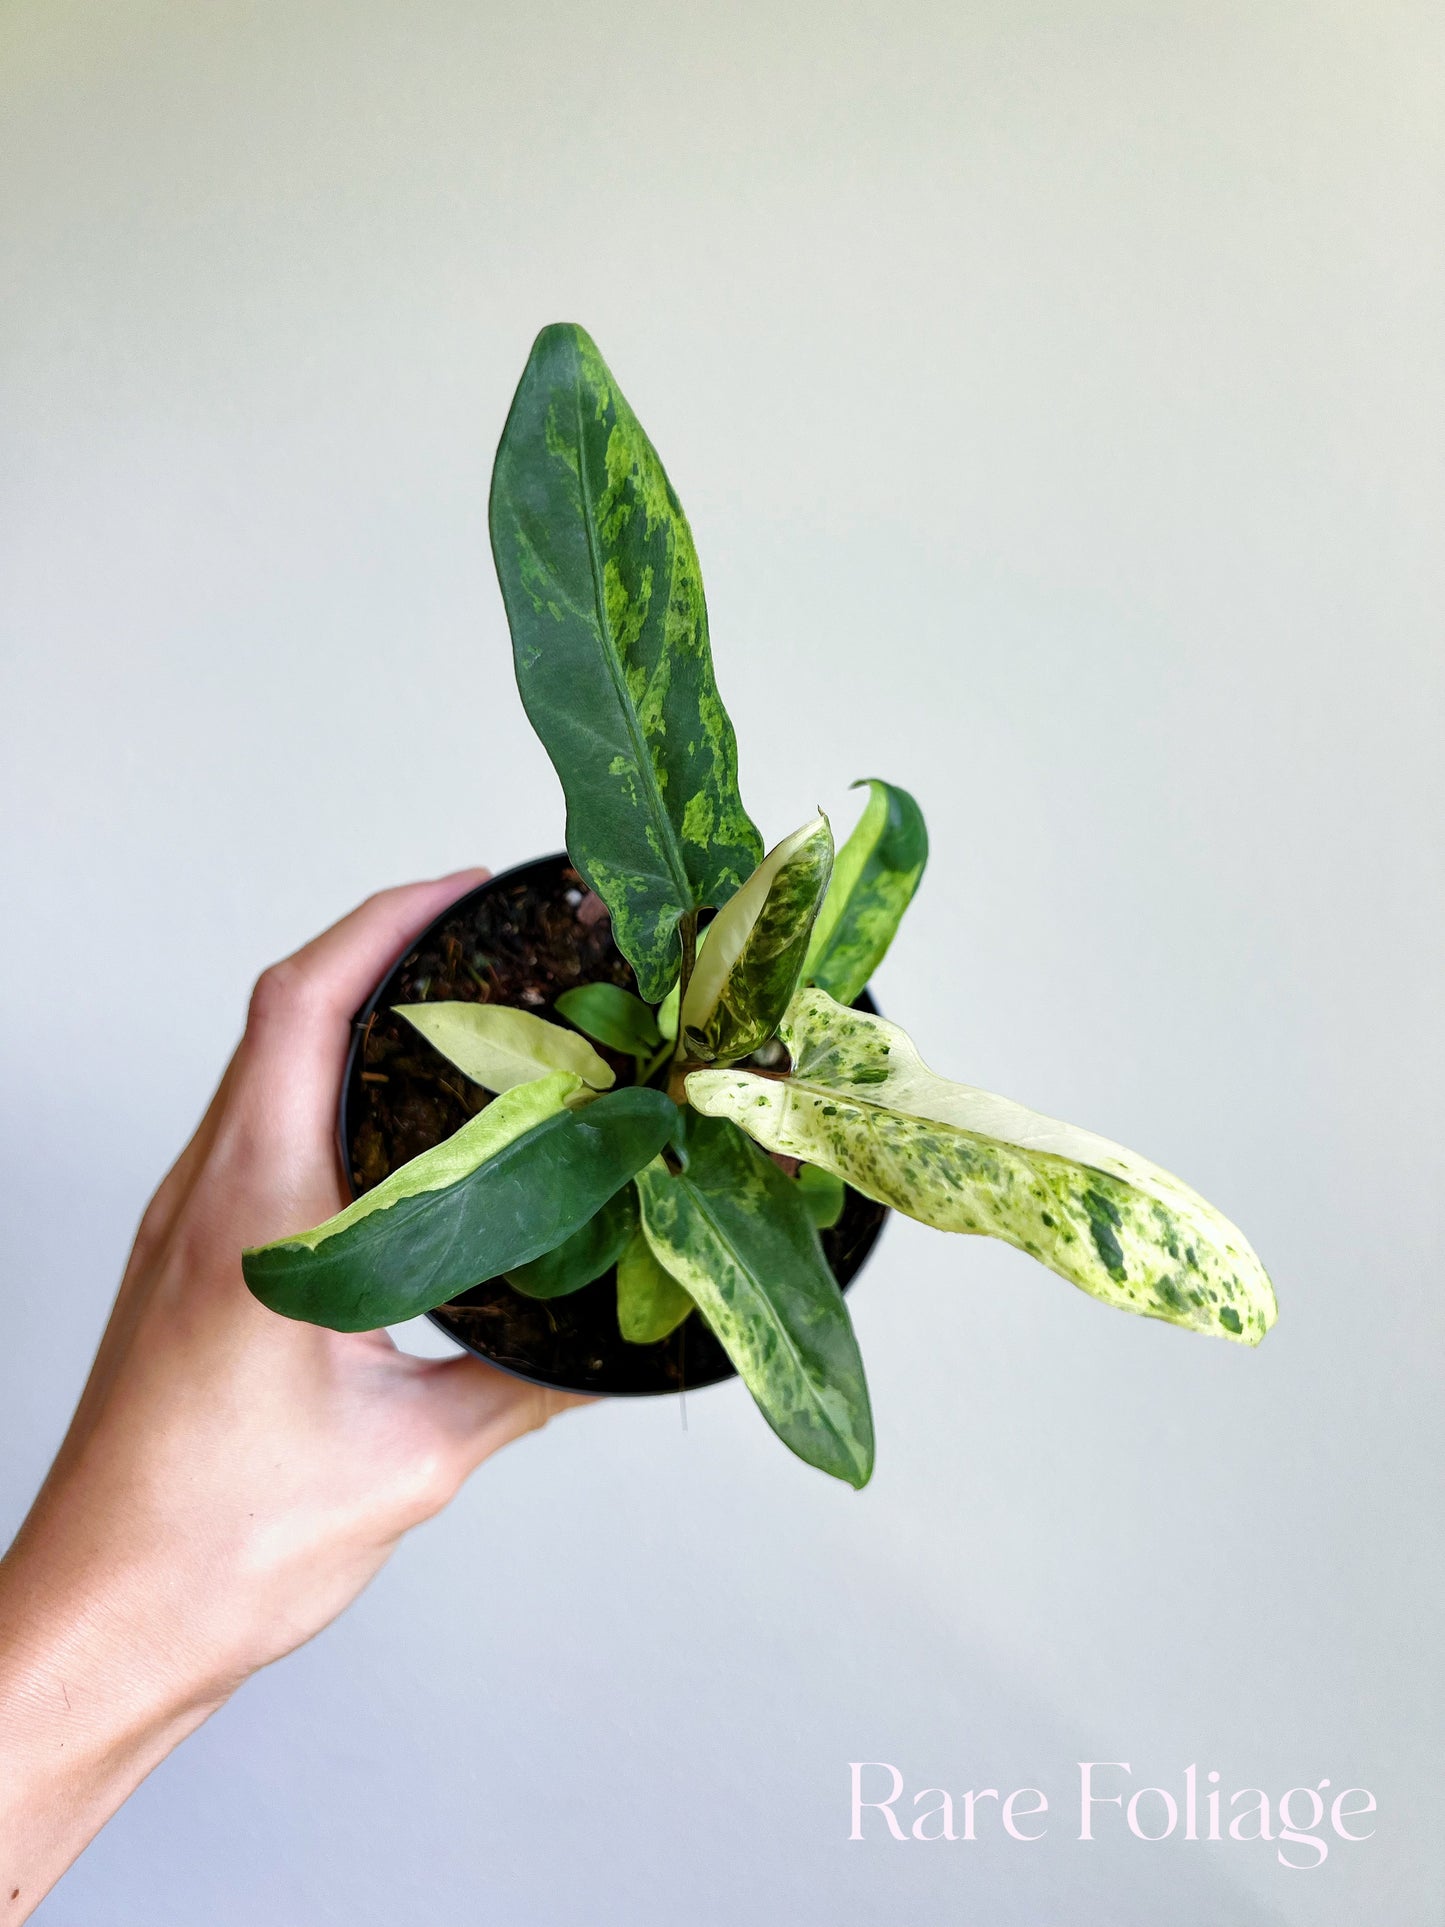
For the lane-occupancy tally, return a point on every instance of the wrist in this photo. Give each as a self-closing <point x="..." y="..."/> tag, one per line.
<point x="108" y="1628"/>
<point x="92" y="1699"/>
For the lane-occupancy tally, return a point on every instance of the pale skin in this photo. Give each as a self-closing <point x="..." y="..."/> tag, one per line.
<point x="231" y="1480"/>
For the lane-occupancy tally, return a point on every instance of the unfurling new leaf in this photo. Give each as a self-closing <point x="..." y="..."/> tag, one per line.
<point x="498" y="1047"/>
<point x="756" y="945"/>
<point x="874" y="879"/>
<point x="860" y="1102"/>
<point x="610" y="640"/>
<point x="517" y="1179"/>
<point x="732" y="1229"/>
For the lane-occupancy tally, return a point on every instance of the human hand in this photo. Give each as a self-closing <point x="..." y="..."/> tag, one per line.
<point x="231" y="1479"/>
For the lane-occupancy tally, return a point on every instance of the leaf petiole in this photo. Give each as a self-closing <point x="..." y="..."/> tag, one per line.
<point x="648" y="1069"/>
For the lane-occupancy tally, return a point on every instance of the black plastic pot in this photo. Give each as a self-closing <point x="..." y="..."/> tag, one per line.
<point x="524" y="937"/>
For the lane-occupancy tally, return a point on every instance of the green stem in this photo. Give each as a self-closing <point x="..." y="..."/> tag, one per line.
<point x="647" y="1069"/>
<point x="687" y="933"/>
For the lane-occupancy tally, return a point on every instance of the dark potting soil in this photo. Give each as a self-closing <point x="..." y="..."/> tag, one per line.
<point x="522" y="939"/>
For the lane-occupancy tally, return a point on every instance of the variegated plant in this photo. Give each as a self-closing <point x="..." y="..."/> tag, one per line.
<point x="757" y="1093"/>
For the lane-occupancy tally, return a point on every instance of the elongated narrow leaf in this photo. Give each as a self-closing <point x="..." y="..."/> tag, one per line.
<point x="609" y="634"/>
<point x="613" y="1016"/>
<point x="515" y="1181"/>
<point x="498" y="1047"/>
<point x="874" y="879"/>
<point x="862" y="1103"/>
<point x="651" y="1304"/>
<point x="732" y="1229"/>
<point x="589" y="1252"/>
<point x="756" y="945"/>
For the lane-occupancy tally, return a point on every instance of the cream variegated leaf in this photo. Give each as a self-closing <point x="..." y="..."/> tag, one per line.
<point x="756" y="946"/>
<point x="860" y="1102"/>
<point x="499" y="1048"/>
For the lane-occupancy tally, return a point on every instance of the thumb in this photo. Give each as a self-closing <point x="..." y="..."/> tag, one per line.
<point x="481" y="1409"/>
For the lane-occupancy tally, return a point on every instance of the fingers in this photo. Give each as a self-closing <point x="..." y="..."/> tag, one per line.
<point x="481" y="1409"/>
<point x="298" y="1026"/>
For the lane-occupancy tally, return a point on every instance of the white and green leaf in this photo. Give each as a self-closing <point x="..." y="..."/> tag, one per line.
<point x="517" y="1180"/>
<point x="874" y="879"/>
<point x="756" y="946"/>
<point x="734" y="1232"/>
<point x="651" y="1304"/>
<point x="499" y="1047"/>
<point x="610" y="639"/>
<point x="860" y="1102"/>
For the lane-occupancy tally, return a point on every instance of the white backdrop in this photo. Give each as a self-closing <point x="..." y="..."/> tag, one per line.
<point x="1056" y="392"/>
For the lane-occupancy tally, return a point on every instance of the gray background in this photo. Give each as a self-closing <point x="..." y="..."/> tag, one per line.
<point x="1056" y="391"/>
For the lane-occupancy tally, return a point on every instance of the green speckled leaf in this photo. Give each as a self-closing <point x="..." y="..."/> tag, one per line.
<point x="861" y="1102"/>
<point x="755" y="949"/>
<point x="498" y="1047"/>
<point x="515" y="1181"/>
<point x="734" y="1232"/>
<point x="874" y="879"/>
<point x="610" y="639"/>
<point x="589" y="1252"/>
<point x="613" y="1016"/>
<point x="651" y="1304"/>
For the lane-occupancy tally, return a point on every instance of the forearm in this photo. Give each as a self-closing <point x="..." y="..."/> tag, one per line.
<point x="88" y="1708"/>
<point x="231" y="1479"/>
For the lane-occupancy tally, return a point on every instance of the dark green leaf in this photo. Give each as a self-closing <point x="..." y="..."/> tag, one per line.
<point x="755" y="949"/>
<point x="651" y="1304"/>
<point x="585" y="1255"/>
<point x="874" y="879"/>
<point x="734" y="1232"/>
<point x="609" y="634"/>
<point x="379" y="1263"/>
<point x="613" y="1016"/>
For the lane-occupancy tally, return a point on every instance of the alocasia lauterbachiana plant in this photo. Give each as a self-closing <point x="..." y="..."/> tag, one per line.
<point x="757" y="1090"/>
